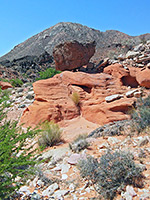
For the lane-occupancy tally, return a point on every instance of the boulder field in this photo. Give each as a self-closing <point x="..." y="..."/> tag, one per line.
<point x="53" y="97"/>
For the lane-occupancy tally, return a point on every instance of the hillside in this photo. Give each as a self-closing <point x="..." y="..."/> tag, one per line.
<point x="94" y="121"/>
<point x="108" y="43"/>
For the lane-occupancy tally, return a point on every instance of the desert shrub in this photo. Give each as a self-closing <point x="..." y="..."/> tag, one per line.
<point x="80" y="143"/>
<point x="50" y="134"/>
<point x="75" y="98"/>
<point x="141" y="115"/>
<point x="4" y="96"/>
<point x="16" y="82"/>
<point x="112" y="173"/>
<point x="4" y="80"/>
<point x="48" y="73"/>
<point x="15" y="159"/>
<point x="80" y="137"/>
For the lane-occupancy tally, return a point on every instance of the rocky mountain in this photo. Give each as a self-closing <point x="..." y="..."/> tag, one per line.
<point x="108" y="43"/>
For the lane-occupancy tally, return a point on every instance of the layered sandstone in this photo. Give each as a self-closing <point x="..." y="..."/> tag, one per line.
<point x="53" y="97"/>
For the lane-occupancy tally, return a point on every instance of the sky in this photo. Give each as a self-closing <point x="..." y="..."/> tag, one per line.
<point x="21" y="19"/>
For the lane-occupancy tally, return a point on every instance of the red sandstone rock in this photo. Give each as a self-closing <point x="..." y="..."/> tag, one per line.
<point x="84" y="79"/>
<point x="116" y="70"/>
<point x="124" y="76"/>
<point x="53" y="99"/>
<point x="143" y="77"/>
<point x="107" y="112"/>
<point x="71" y="55"/>
<point x="52" y="102"/>
<point x="5" y="85"/>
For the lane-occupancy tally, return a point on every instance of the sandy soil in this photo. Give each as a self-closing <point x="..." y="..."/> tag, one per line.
<point x="73" y="128"/>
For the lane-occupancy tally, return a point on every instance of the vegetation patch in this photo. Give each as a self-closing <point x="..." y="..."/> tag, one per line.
<point x="16" y="82"/>
<point x="50" y="134"/>
<point x="16" y="160"/>
<point x="75" y="98"/>
<point x="141" y="115"/>
<point x="80" y="143"/>
<point x="48" y="73"/>
<point x="112" y="173"/>
<point x="4" y="80"/>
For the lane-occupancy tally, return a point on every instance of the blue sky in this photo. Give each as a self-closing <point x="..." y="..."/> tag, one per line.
<point x="21" y="19"/>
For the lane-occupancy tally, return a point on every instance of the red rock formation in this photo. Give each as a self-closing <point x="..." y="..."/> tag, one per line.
<point x="52" y="102"/>
<point x="123" y="75"/>
<point x="71" y="55"/>
<point x="53" y="98"/>
<point x="116" y="70"/>
<point x="143" y="77"/>
<point x="5" y="85"/>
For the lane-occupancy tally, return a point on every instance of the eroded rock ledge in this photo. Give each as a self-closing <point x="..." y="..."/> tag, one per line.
<point x="53" y="96"/>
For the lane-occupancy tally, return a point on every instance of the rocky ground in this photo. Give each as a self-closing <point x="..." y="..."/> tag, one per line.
<point x="105" y="97"/>
<point x="58" y="177"/>
<point x="65" y="181"/>
<point x="26" y="68"/>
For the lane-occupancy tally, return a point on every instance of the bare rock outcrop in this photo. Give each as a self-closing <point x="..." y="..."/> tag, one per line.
<point x="137" y="62"/>
<point x="5" y="85"/>
<point x="72" y="54"/>
<point x="53" y="98"/>
<point x="143" y="77"/>
<point x="125" y="76"/>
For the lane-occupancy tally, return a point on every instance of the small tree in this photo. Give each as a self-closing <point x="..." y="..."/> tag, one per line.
<point x="15" y="158"/>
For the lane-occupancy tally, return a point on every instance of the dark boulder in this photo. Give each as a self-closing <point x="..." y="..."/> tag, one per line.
<point x="72" y="54"/>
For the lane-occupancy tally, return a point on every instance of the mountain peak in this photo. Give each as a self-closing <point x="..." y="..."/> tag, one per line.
<point x="66" y="31"/>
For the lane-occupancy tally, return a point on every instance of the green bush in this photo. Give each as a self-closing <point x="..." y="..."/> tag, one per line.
<point x="112" y="173"/>
<point x="80" y="143"/>
<point x="15" y="159"/>
<point x="4" y="80"/>
<point x="141" y="115"/>
<point x="50" y="134"/>
<point x="16" y="82"/>
<point x="4" y="96"/>
<point x="48" y="73"/>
